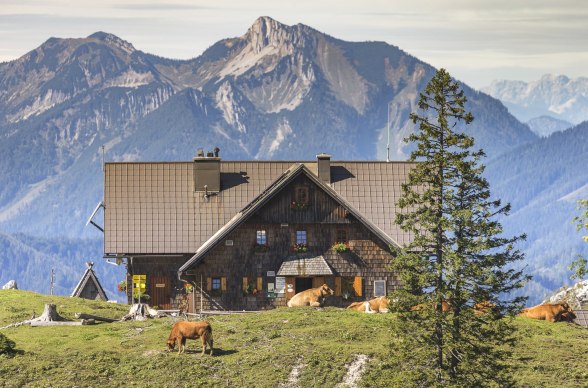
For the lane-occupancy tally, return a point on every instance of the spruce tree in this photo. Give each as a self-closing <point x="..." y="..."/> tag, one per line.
<point x="458" y="257"/>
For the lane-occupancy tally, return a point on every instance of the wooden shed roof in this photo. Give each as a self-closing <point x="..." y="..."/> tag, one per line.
<point x="89" y="277"/>
<point x="152" y="208"/>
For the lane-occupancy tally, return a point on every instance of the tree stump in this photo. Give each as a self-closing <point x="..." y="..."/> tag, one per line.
<point x="50" y="314"/>
<point x="140" y="312"/>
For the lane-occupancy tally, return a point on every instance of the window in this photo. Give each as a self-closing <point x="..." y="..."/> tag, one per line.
<point x="379" y="288"/>
<point x="261" y="238"/>
<point x="301" y="237"/>
<point x="341" y="236"/>
<point x="301" y="194"/>
<point x="351" y="286"/>
<point x="216" y="284"/>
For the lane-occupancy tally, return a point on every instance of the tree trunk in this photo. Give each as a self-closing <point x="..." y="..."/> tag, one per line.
<point x="95" y="317"/>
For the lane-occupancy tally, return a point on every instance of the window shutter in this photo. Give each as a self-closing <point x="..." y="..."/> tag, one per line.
<point x="245" y="284"/>
<point x="259" y="284"/>
<point x="338" y="286"/>
<point x="223" y="284"/>
<point x="357" y="286"/>
<point x="208" y="284"/>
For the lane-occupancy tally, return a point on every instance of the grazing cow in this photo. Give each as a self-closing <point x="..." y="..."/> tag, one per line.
<point x="549" y="312"/>
<point x="314" y="297"/>
<point x="190" y="330"/>
<point x="376" y="305"/>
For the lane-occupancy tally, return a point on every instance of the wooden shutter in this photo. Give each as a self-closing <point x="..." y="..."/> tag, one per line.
<point x="357" y="286"/>
<point x="245" y="284"/>
<point x="223" y="284"/>
<point x="208" y="284"/>
<point x="338" y="286"/>
<point x="318" y="281"/>
<point x="259" y="284"/>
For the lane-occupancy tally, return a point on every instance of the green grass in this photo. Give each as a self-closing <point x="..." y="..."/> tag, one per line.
<point x="253" y="350"/>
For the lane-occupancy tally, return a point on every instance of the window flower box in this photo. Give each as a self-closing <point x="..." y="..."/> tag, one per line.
<point x="341" y="247"/>
<point x="250" y="291"/>
<point x="299" y="248"/>
<point x="298" y="205"/>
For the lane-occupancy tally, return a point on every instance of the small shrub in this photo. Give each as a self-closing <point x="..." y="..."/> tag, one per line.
<point x="6" y="345"/>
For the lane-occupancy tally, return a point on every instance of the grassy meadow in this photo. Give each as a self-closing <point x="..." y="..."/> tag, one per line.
<point x="251" y="350"/>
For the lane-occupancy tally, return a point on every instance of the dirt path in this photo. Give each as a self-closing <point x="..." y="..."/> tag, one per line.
<point x="354" y="371"/>
<point x="294" y="375"/>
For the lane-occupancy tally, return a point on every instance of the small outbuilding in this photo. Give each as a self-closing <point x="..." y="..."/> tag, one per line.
<point x="89" y="287"/>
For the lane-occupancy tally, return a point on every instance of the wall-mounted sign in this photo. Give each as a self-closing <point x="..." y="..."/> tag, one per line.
<point x="270" y="287"/>
<point x="271" y="274"/>
<point x="229" y="243"/>
<point x="159" y="285"/>
<point x="280" y="285"/>
<point x="139" y="283"/>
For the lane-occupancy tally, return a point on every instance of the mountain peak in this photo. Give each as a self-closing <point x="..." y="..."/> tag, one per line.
<point x="111" y="39"/>
<point x="266" y="31"/>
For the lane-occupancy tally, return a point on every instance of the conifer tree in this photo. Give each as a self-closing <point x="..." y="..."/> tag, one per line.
<point x="457" y="272"/>
<point x="580" y="265"/>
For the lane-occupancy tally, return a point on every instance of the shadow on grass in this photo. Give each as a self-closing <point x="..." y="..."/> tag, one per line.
<point x="217" y="352"/>
<point x="12" y="353"/>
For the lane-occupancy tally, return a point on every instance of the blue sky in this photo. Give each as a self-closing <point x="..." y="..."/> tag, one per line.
<point x="476" y="40"/>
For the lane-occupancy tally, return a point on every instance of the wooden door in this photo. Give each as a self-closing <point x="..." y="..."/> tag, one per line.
<point x="160" y="292"/>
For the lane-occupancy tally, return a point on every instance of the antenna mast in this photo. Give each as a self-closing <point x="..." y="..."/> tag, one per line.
<point x="388" y="145"/>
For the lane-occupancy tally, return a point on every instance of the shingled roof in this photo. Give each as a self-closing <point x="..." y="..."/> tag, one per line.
<point x="305" y="266"/>
<point x="89" y="287"/>
<point x="152" y="208"/>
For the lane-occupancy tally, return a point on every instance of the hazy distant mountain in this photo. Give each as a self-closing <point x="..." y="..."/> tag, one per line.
<point x="29" y="261"/>
<point x="556" y="96"/>
<point x="543" y="180"/>
<point x="546" y="125"/>
<point x="277" y="92"/>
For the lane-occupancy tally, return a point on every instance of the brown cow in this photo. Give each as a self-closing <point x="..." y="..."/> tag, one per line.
<point x="549" y="312"/>
<point x="483" y="307"/>
<point x="568" y="317"/>
<point x="376" y="305"/>
<point x="445" y="306"/>
<point x="314" y="297"/>
<point x="190" y="330"/>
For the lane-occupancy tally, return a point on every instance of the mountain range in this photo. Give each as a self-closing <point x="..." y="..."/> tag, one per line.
<point x="552" y="103"/>
<point x="277" y="92"/>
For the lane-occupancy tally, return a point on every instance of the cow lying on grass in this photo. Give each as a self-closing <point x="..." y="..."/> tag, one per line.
<point x="376" y="305"/>
<point x="550" y="312"/>
<point x="190" y="330"/>
<point x="445" y="306"/>
<point x="314" y="297"/>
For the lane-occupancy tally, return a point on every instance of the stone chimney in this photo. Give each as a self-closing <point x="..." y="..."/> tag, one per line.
<point x="207" y="172"/>
<point x="324" y="167"/>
